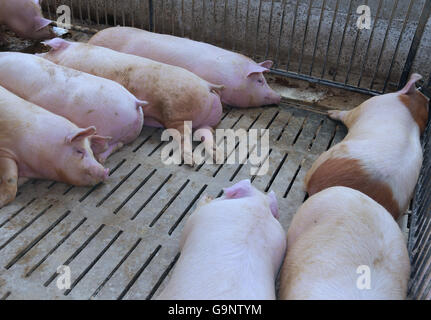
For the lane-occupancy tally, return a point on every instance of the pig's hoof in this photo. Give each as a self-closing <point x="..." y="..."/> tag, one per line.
<point x="6" y="197"/>
<point x="335" y="115"/>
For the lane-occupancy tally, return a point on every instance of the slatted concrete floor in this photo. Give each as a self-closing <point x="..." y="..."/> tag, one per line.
<point x="121" y="238"/>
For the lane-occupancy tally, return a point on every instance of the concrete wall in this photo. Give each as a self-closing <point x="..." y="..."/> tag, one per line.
<point x="258" y="29"/>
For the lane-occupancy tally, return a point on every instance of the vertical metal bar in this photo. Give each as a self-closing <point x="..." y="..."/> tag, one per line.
<point x="289" y="53"/>
<point x="426" y="11"/>
<point x="269" y="31"/>
<point x="71" y="10"/>
<point x="141" y="12"/>
<point x="151" y="15"/>
<point x="193" y="19"/>
<point x="330" y="38"/>
<point x="310" y="4"/>
<point x="364" y="62"/>
<point x="115" y="13"/>
<point x="204" y="24"/>
<point x="349" y="13"/>
<point x="173" y="17"/>
<point x="246" y="26"/>
<point x="398" y="45"/>
<point x="236" y="25"/>
<point x="317" y="36"/>
<point x="132" y="12"/>
<point x="162" y="16"/>
<point x="182" y="19"/>
<point x="352" y="57"/>
<point x="80" y="12"/>
<point x="88" y="12"/>
<point x="277" y="54"/>
<point x="123" y="14"/>
<point x="257" y="29"/>
<point x="106" y="12"/>
<point x="49" y="10"/>
<point x="384" y="43"/>
<point x="225" y="23"/>
<point x="97" y="14"/>
<point x="214" y="32"/>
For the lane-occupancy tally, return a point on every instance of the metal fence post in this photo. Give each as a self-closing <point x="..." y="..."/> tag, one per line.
<point x="151" y="13"/>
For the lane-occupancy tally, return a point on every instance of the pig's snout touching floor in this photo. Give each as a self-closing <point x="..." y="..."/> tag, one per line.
<point x="97" y="174"/>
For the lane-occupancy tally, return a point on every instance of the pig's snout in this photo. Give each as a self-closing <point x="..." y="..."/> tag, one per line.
<point x="97" y="174"/>
<point x="273" y="98"/>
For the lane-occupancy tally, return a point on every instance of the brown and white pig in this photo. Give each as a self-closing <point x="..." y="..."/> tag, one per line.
<point x="175" y="95"/>
<point x="342" y="245"/>
<point x="245" y="85"/>
<point x="24" y="17"/>
<point x="84" y="99"/>
<point x="381" y="155"/>
<point x="231" y="248"/>
<point x="35" y="143"/>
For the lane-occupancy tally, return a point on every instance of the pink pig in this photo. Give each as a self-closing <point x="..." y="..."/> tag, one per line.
<point x="341" y="244"/>
<point x="245" y="85"/>
<point x="24" y="17"/>
<point x="36" y="143"/>
<point x="381" y="155"/>
<point x="84" y="99"/>
<point x="175" y="95"/>
<point x="231" y="248"/>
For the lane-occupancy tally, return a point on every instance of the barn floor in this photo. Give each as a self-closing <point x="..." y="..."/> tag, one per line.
<point x="121" y="238"/>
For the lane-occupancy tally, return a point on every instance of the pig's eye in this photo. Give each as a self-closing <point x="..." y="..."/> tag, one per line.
<point x="79" y="152"/>
<point x="260" y="81"/>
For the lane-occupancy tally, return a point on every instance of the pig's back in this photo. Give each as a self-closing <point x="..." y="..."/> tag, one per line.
<point x="23" y="124"/>
<point x="334" y="233"/>
<point x="214" y="64"/>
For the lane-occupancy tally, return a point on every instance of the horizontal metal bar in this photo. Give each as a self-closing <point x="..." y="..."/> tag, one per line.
<point x="329" y="83"/>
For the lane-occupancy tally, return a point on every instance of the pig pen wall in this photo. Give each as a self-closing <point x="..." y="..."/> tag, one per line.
<point x="314" y="40"/>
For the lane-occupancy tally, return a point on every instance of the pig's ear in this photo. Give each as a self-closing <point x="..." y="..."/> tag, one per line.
<point x="239" y="190"/>
<point x="273" y="204"/>
<point x="410" y="87"/>
<point x="56" y="43"/>
<point x="41" y="23"/>
<point x="99" y="144"/>
<point x="81" y="134"/>
<point x="266" y="64"/>
<point x="255" y="68"/>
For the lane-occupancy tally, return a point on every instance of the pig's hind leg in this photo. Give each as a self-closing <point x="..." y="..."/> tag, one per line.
<point x="101" y="157"/>
<point x="8" y="181"/>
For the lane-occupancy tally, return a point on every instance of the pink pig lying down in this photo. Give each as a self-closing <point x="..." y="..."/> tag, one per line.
<point x="84" y="99"/>
<point x="36" y="143"/>
<point x="341" y="244"/>
<point x="381" y="155"/>
<point x="245" y="85"/>
<point x="231" y="248"/>
<point x="175" y="95"/>
<point x="24" y="17"/>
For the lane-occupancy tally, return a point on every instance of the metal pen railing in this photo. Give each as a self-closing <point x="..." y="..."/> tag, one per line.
<point x="420" y="229"/>
<point x="314" y="40"/>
